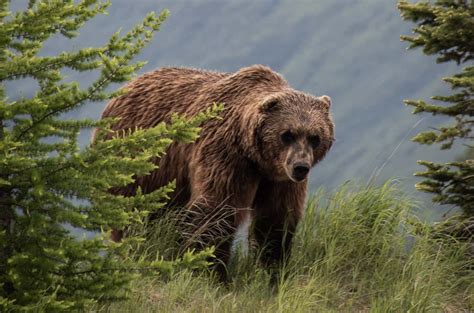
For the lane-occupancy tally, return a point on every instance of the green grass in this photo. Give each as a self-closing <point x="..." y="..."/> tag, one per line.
<point x="359" y="249"/>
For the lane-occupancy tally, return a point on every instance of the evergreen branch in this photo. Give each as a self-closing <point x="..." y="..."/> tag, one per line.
<point x="69" y="106"/>
<point x="46" y="185"/>
<point x="47" y="64"/>
<point x="446" y="28"/>
<point x="30" y="22"/>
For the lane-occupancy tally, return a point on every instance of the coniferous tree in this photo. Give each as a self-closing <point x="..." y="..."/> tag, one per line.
<point x="446" y="28"/>
<point x="48" y="184"/>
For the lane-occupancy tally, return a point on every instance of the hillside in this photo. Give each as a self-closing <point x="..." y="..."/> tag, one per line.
<point x="349" y="50"/>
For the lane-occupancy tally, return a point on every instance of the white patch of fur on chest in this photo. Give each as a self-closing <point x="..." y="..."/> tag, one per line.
<point x="240" y="243"/>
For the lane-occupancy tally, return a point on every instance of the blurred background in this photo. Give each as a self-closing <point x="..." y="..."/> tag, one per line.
<point x="348" y="49"/>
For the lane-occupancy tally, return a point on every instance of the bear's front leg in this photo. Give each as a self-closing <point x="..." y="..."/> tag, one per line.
<point x="220" y="209"/>
<point x="279" y="207"/>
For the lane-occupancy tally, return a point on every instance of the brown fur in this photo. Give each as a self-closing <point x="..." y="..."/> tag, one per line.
<point x="239" y="162"/>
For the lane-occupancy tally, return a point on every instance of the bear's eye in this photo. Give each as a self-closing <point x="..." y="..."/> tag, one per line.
<point x="314" y="141"/>
<point x="288" y="137"/>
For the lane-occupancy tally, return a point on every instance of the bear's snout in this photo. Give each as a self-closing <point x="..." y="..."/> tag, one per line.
<point x="300" y="170"/>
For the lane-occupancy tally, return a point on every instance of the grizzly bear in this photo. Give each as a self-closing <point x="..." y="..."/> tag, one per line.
<point x="252" y="164"/>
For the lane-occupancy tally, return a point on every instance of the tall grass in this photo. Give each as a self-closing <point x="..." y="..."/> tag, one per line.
<point x="360" y="249"/>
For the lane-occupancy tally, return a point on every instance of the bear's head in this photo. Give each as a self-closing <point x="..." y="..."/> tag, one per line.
<point x="293" y="133"/>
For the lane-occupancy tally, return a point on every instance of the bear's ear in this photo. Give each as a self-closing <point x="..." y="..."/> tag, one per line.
<point x="269" y="105"/>
<point x="326" y="99"/>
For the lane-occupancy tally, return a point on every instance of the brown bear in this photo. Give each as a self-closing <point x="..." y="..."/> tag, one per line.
<point x="252" y="164"/>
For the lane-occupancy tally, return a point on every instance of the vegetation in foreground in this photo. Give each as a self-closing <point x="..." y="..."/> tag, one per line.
<point x="49" y="185"/>
<point x="358" y="249"/>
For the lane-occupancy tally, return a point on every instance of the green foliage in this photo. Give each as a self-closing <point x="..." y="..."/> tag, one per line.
<point x="359" y="249"/>
<point x="446" y="28"/>
<point x="49" y="186"/>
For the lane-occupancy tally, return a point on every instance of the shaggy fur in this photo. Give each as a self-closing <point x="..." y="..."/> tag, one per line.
<point x="246" y="162"/>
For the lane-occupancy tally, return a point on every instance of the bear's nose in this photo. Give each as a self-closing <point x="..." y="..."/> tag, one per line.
<point x="300" y="170"/>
